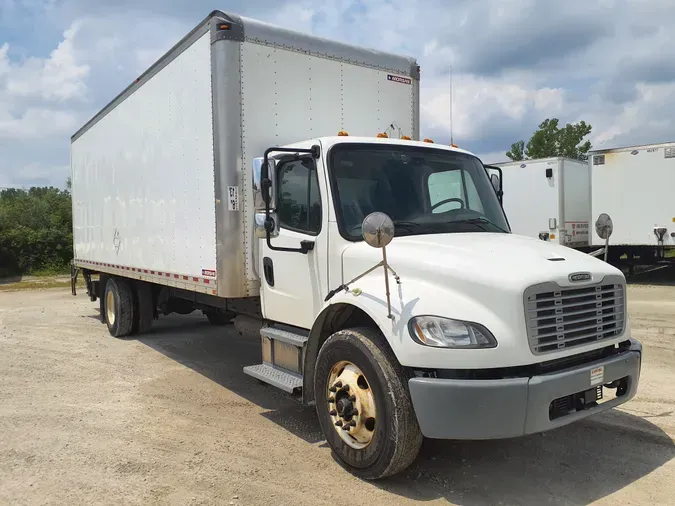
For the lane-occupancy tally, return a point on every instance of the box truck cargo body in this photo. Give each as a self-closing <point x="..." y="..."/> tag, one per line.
<point x="548" y="198"/>
<point x="252" y="174"/>
<point x="634" y="186"/>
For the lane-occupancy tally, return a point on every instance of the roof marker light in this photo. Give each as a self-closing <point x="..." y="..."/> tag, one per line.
<point x="382" y="135"/>
<point x="342" y="133"/>
<point x="429" y="141"/>
<point x="406" y="138"/>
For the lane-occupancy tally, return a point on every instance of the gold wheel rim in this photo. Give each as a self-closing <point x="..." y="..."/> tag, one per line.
<point x="351" y="405"/>
<point x="110" y="307"/>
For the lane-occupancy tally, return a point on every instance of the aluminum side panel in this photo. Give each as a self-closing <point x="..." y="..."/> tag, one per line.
<point x="143" y="178"/>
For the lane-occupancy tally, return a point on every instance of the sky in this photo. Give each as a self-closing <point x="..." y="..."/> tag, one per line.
<point x="514" y="63"/>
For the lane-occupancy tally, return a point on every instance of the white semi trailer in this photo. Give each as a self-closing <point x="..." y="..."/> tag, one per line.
<point x="549" y="198"/>
<point x="243" y="176"/>
<point x="633" y="186"/>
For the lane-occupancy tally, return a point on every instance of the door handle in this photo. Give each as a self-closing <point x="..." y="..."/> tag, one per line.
<point x="268" y="269"/>
<point x="306" y="246"/>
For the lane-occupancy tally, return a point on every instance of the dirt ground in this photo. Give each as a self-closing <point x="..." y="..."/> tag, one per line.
<point x="172" y="419"/>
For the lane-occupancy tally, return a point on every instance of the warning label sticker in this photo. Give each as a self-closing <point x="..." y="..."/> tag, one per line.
<point x="577" y="231"/>
<point x="399" y="79"/>
<point x="233" y="198"/>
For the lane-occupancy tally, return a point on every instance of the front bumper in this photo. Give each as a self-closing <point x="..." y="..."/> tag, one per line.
<point x="505" y="408"/>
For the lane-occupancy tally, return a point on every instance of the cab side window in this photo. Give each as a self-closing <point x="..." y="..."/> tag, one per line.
<point x="299" y="203"/>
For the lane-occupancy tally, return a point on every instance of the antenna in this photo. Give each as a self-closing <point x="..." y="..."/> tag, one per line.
<point x="452" y="140"/>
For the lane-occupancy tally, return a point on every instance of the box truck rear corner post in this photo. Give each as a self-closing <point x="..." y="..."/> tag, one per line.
<point x="276" y="180"/>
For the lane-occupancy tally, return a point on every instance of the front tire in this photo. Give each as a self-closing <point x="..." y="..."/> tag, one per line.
<point x="119" y="307"/>
<point x="364" y="405"/>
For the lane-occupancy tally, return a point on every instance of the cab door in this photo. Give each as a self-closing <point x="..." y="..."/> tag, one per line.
<point x="294" y="284"/>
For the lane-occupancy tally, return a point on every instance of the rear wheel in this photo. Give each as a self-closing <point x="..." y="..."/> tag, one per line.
<point x="119" y="307"/>
<point x="364" y="406"/>
<point x="144" y="307"/>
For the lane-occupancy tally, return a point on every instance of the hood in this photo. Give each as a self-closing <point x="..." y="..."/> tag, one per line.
<point x="481" y="258"/>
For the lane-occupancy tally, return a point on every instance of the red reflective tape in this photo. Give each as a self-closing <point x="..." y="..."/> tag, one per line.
<point x="185" y="277"/>
<point x="158" y="273"/>
<point x="175" y="276"/>
<point x="206" y="281"/>
<point x="195" y="280"/>
<point x="133" y="269"/>
<point x="168" y="275"/>
<point x="151" y="272"/>
<point x="145" y="270"/>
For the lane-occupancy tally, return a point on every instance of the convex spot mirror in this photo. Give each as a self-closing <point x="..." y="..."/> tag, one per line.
<point x="377" y="230"/>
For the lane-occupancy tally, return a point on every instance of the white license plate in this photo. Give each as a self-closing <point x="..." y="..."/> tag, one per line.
<point x="597" y="376"/>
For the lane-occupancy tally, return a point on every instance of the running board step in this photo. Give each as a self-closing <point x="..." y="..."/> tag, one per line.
<point x="284" y="336"/>
<point x="286" y="381"/>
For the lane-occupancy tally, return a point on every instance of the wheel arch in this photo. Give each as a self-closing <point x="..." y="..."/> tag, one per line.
<point x="333" y="318"/>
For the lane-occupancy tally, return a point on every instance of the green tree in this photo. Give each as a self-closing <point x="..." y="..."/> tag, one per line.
<point x="550" y="140"/>
<point x="35" y="230"/>
<point x="517" y="152"/>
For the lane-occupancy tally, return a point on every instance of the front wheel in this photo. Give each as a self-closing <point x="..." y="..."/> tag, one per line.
<point x="364" y="405"/>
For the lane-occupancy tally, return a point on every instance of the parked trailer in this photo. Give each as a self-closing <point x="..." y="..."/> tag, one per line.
<point x="217" y="183"/>
<point x="633" y="185"/>
<point x="549" y="198"/>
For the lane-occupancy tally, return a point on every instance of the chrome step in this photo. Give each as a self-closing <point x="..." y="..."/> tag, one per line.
<point x="286" y="381"/>
<point x="278" y="334"/>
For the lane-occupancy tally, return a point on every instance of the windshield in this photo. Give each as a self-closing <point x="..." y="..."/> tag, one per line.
<point x="424" y="190"/>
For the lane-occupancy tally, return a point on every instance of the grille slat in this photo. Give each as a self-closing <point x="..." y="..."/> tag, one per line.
<point x="572" y="313"/>
<point x="558" y="318"/>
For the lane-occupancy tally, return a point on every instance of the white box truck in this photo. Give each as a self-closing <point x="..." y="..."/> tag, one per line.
<point x="634" y="186"/>
<point x="243" y="176"/>
<point x="548" y="198"/>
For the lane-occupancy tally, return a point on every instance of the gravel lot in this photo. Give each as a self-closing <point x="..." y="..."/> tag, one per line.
<point x="172" y="419"/>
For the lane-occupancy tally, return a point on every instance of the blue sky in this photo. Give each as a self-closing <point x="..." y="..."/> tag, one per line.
<point x="515" y="63"/>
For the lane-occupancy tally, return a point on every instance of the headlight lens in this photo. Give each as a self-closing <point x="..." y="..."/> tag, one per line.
<point x="447" y="333"/>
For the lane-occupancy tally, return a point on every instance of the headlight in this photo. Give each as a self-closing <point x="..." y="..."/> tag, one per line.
<point x="447" y="333"/>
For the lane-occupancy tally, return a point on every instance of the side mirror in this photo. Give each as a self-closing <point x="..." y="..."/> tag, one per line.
<point x="262" y="190"/>
<point x="260" y="225"/>
<point x="496" y="183"/>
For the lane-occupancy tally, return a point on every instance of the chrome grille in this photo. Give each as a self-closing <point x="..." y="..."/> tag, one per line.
<point x="559" y="318"/>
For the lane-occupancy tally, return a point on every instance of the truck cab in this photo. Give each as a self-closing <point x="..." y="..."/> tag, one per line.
<point x="462" y="331"/>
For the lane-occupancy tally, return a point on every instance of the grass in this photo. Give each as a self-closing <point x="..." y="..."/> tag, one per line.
<point x="37" y="283"/>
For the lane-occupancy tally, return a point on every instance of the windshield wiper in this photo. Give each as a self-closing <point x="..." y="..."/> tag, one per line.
<point x="481" y="221"/>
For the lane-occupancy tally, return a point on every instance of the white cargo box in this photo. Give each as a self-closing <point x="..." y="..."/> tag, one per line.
<point x="161" y="177"/>
<point x="634" y="186"/>
<point x="548" y="196"/>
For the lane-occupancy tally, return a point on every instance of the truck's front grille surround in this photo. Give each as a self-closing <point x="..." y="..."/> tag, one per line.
<point x="558" y="318"/>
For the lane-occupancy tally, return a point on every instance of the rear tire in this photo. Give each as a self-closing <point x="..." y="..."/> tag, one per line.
<point x="119" y="307"/>
<point x="361" y="359"/>
<point x="144" y="308"/>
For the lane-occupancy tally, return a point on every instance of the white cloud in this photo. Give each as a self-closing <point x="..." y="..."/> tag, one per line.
<point x="56" y="78"/>
<point x="36" y="123"/>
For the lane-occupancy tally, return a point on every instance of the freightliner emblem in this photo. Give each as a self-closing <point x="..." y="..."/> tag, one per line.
<point x="580" y="276"/>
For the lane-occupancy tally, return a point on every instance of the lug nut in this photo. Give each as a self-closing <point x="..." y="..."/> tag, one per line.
<point x="338" y="384"/>
<point x="355" y="412"/>
<point x="331" y="400"/>
<point x="338" y="423"/>
<point x="333" y="389"/>
<point x="346" y="388"/>
<point x="352" y="423"/>
<point x="332" y="412"/>
<point x="353" y="398"/>
<point x="346" y="427"/>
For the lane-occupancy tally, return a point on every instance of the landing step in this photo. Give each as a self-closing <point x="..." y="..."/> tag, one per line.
<point x="285" y="336"/>
<point x="286" y="381"/>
